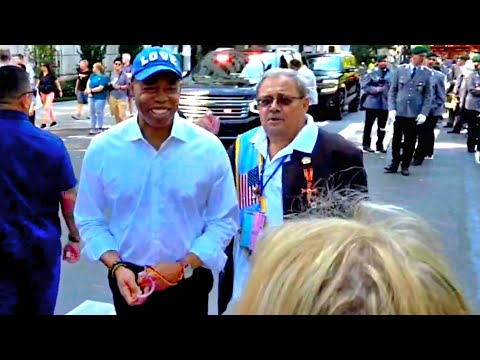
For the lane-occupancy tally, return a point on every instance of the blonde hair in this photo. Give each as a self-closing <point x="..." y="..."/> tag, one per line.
<point x="100" y="67"/>
<point x="382" y="260"/>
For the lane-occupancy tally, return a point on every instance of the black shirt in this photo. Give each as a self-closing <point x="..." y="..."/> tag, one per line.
<point x="82" y="79"/>
<point x="47" y="83"/>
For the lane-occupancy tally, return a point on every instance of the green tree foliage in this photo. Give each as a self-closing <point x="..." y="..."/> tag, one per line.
<point x="92" y="53"/>
<point x="133" y="50"/>
<point x="43" y="53"/>
<point x="364" y="53"/>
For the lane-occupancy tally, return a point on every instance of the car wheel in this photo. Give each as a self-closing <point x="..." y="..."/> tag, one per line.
<point x="338" y="109"/>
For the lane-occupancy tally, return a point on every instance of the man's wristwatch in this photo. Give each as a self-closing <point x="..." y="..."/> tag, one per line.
<point x="187" y="269"/>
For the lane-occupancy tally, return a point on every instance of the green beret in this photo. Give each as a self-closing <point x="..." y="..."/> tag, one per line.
<point x="417" y="50"/>
<point x="381" y="57"/>
<point x="476" y="59"/>
<point x="464" y="58"/>
<point x="432" y="54"/>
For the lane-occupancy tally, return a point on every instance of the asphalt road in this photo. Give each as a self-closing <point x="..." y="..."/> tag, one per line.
<point x="445" y="191"/>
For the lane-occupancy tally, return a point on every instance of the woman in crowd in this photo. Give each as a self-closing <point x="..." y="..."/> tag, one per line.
<point x="97" y="89"/>
<point x="46" y="84"/>
<point x="379" y="259"/>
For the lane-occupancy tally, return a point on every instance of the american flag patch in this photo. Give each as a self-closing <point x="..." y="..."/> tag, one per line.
<point x="246" y="188"/>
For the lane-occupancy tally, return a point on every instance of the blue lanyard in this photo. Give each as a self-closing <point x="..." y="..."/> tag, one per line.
<point x="262" y="185"/>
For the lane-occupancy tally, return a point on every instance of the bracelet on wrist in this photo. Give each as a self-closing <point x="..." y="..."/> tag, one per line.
<point x="116" y="266"/>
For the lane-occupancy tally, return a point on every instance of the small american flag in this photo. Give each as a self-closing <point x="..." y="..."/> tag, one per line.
<point x="247" y="185"/>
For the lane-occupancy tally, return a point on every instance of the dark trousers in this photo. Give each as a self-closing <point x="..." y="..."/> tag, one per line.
<point x="370" y="116"/>
<point x="403" y="129"/>
<point x="225" y="281"/>
<point x="425" y="138"/>
<point x="473" y="136"/>
<point x="459" y="121"/>
<point x="189" y="297"/>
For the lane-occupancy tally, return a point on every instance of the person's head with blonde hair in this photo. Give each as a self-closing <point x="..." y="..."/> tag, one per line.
<point x="379" y="259"/>
<point x="99" y="68"/>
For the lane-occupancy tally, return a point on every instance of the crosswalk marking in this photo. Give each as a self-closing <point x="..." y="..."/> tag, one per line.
<point x="90" y="307"/>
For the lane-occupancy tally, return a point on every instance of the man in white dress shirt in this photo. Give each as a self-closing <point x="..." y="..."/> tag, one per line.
<point x="157" y="196"/>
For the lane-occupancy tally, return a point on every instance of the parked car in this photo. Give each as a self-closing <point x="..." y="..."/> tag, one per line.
<point x="338" y="82"/>
<point x="224" y="81"/>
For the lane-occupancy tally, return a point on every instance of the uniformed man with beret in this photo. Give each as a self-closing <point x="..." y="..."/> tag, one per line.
<point x="375" y="85"/>
<point x="425" y="132"/>
<point x="409" y="101"/>
<point x="472" y="107"/>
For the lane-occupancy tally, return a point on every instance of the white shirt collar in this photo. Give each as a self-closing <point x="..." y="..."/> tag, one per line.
<point x="303" y="142"/>
<point x="132" y="132"/>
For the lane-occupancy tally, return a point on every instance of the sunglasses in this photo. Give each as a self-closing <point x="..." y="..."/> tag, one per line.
<point x="282" y="100"/>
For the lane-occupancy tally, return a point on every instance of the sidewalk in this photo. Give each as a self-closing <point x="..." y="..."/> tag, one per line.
<point x="65" y="109"/>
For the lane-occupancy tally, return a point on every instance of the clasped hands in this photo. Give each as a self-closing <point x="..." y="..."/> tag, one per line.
<point x="154" y="278"/>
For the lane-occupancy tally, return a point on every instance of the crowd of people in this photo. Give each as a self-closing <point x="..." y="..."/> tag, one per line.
<point x="283" y="215"/>
<point x="413" y="98"/>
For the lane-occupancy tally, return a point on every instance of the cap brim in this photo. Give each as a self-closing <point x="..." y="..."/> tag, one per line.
<point x="145" y="74"/>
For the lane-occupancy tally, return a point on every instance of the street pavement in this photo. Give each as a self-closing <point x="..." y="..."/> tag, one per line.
<point x="444" y="190"/>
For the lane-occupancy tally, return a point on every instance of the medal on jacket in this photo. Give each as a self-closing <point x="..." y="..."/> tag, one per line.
<point x="310" y="191"/>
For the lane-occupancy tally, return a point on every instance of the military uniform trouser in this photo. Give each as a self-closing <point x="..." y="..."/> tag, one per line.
<point x="473" y="136"/>
<point x="425" y="138"/>
<point x="403" y="129"/>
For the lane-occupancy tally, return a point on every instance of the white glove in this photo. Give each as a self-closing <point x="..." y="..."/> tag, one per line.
<point x="421" y="119"/>
<point x="391" y="116"/>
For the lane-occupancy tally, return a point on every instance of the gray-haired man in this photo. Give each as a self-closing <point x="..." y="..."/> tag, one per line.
<point x="409" y="101"/>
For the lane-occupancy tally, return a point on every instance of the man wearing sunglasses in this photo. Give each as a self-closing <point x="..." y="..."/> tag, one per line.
<point x="409" y="100"/>
<point x="280" y="166"/>
<point x="36" y="175"/>
<point x="119" y="84"/>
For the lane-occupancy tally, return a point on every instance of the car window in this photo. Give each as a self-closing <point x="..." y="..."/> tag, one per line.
<point x="326" y="63"/>
<point x="231" y="65"/>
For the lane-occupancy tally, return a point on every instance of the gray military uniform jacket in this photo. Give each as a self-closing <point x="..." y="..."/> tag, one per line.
<point x="411" y="96"/>
<point x="376" y="89"/>
<point x="472" y="101"/>
<point x="439" y="93"/>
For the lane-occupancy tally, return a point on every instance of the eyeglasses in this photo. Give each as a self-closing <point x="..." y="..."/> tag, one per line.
<point x="25" y="93"/>
<point x="282" y="100"/>
<point x="18" y="97"/>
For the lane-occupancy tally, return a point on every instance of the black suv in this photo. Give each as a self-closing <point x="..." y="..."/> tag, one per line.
<point x="224" y="81"/>
<point x="338" y="82"/>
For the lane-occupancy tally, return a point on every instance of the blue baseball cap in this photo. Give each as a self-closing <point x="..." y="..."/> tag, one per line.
<point x="153" y="60"/>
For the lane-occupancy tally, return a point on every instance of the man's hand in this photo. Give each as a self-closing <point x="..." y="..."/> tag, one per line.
<point x="71" y="252"/>
<point x="172" y="272"/>
<point x="128" y="286"/>
<point x="421" y="119"/>
<point x="209" y="122"/>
